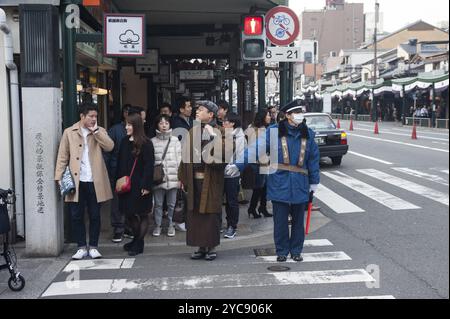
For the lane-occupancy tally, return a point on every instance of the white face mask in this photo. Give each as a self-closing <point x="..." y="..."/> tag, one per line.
<point x="298" y="118"/>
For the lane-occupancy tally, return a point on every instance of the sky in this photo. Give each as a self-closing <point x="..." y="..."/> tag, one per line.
<point x="397" y="13"/>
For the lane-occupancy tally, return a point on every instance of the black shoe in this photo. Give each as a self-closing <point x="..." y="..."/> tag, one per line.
<point x="281" y="259"/>
<point x="252" y="212"/>
<point x="137" y="248"/>
<point x="198" y="255"/>
<point x="263" y="211"/>
<point x="297" y="258"/>
<point x="127" y="247"/>
<point x="117" y="237"/>
<point x="210" y="256"/>
<point x="128" y="234"/>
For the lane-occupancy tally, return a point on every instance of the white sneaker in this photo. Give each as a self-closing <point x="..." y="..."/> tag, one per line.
<point x="157" y="231"/>
<point x="171" y="231"/>
<point x="181" y="227"/>
<point x="80" y="254"/>
<point x="94" y="253"/>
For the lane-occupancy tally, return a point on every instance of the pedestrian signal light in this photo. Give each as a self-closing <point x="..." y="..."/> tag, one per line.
<point x="253" y="25"/>
<point x="253" y="43"/>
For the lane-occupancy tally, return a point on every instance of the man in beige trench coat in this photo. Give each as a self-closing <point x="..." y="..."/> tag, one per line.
<point x="81" y="149"/>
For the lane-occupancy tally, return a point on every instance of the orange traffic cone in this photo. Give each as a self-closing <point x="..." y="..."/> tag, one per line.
<point x="376" y="128"/>
<point x="339" y="124"/>
<point x="414" y="132"/>
<point x="351" y="124"/>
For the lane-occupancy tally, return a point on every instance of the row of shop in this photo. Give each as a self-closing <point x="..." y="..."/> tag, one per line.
<point x="396" y="99"/>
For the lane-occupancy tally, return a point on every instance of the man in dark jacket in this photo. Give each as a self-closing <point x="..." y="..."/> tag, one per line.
<point x="116" y="133"/>
<point x="183" y="119"/>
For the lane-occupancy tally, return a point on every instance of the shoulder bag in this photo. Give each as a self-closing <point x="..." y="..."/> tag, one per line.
<point x="123" y="184"/>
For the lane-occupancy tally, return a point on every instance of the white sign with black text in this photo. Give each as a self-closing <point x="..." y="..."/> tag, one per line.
<point x="283" y="54"/>
<point x="124" y="35"/>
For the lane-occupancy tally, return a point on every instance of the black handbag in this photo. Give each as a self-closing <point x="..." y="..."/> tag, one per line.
<point x="248" y="179"/>
<point x="180" y="208"/>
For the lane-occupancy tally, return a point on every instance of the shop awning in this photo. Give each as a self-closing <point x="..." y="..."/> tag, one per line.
<point x="423" y="81"/>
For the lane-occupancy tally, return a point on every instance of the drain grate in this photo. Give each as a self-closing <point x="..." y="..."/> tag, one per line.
<point x="263" y="252"/>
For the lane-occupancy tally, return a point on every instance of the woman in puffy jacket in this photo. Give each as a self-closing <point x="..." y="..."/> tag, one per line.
<point x="170" y="163"/>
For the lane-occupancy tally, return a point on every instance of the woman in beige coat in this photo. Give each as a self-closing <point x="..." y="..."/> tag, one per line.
<point x="81" y="149"/>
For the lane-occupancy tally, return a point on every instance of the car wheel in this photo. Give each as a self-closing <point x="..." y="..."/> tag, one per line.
<point x="337" y="160"/>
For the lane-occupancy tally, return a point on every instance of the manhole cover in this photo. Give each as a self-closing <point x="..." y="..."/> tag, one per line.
<point x="278" y="268"/>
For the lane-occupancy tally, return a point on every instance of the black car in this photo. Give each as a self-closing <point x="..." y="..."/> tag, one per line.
<point x="332" y="142"/>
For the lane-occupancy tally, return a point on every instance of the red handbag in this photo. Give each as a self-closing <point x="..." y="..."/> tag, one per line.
<point x="123" y="184"/>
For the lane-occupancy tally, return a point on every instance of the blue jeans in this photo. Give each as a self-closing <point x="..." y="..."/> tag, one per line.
<point x="86" y="197"/>
<point x="283" y="243"/>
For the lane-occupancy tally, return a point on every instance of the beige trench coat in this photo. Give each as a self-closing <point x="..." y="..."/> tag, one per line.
<point x="71" y="152"/>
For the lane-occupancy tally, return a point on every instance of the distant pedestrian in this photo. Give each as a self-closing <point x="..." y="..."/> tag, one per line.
<point x="117" y="133"/>
<point x="224" y="108"/>
<point x="81" y="148"/>
<point x="232" y="125"/>
<point x="168" y="153"/>
<point x="184" y="118"/>
<point x="262" y="121"/>
<point x="136" y="159"/>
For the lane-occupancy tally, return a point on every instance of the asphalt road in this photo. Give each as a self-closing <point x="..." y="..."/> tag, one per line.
<point x="383" y="232"/>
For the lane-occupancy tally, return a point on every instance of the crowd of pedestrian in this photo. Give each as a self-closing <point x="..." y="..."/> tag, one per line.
<point x="146" y="169"/>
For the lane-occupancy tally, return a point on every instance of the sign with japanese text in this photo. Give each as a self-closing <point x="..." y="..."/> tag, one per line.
<point x="124" y="35"/>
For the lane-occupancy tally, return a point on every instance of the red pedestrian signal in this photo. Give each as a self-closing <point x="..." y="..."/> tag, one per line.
<point x="253" y="25"/>
<point x="253" y="38"/>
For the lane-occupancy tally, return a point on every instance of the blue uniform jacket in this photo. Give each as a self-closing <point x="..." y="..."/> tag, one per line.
<point x="284" y="186"/>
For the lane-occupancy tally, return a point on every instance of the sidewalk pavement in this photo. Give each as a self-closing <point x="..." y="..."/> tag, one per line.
<point x="40" y="272"/>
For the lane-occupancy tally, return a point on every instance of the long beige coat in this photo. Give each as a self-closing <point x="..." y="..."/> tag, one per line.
<point x="71" y="152"/>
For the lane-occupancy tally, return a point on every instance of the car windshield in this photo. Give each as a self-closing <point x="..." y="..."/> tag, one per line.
<point x="320" y="122"/>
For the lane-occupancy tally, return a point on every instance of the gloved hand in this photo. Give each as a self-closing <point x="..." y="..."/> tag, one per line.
<point x="231" y="170"/>
<point x="313" y="188"/>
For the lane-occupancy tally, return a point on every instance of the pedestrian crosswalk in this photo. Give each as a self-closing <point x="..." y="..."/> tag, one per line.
<point x="386" y="187"/>
<point x="337" y="270"/>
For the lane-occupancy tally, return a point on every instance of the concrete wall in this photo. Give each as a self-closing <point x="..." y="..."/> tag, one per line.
<point x="5" y="130"/>
<point x="134" y="89"/>
<point x="335" y="29"/>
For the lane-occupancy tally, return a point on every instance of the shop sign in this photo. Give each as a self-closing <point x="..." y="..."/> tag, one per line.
<point x="196" y="75"/>
<point x="124" y="35"/>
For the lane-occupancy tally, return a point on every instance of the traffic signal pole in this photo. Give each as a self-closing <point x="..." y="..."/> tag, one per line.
<point x="261" y="85"/>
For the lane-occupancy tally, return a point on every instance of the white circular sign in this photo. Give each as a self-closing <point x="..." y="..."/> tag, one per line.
<point x="282" y="26"/>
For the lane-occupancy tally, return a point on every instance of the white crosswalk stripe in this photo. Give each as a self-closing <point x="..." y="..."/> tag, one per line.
<point x="74" y="286"/>
<point x="388" y="200"/>
<point x="407" y="185"/>
<point x="419" y="174"/>
<point x="312" y="257"/>
<point x="99" y="264"/>
<point x="336" y="202"/>
<point x="362" y="297"/>
<point x="106" y="286"/>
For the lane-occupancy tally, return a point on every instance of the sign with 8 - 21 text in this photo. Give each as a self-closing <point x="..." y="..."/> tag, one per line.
<point x="283" y="54"/>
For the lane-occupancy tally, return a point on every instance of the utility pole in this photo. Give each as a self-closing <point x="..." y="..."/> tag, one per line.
<point x="315" y="69"/>
<point x="375" y="62"/>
